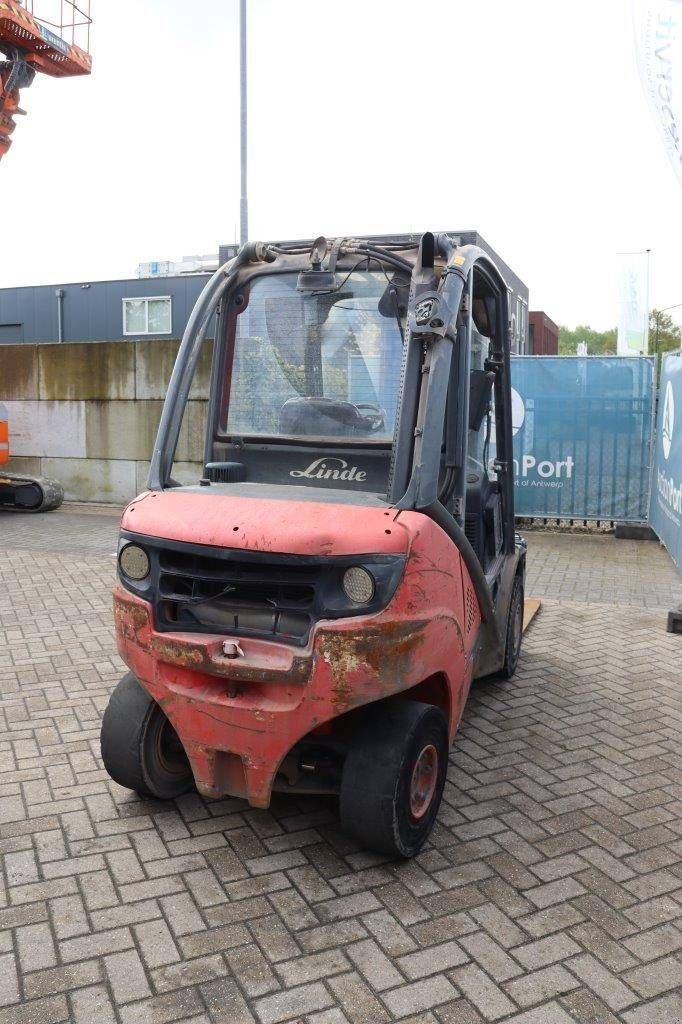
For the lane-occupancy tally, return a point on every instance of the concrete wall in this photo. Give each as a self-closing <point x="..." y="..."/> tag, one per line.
<point x="87" y="414"/>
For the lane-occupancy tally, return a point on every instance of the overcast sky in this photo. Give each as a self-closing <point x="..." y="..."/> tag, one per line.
<point x="524" y="120"/>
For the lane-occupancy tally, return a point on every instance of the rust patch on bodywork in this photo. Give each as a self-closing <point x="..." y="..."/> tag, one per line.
<point x="208" y="658"/>
<point x="386" y="649"/>
<point x="133" y="622"/>
<point x="186" y="655"/>
<point x="129" y="617"/>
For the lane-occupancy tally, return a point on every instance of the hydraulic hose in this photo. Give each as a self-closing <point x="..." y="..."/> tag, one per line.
<point x="449" y="525"/>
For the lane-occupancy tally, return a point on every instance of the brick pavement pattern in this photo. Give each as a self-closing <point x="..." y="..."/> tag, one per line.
<point x="550" y="891"/>
<point x="603" y="569"/>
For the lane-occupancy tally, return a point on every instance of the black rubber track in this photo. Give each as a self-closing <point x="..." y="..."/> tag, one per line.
<point x="29" y="493"/>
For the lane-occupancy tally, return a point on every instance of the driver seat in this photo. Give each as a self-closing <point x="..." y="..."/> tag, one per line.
<point x="322" y="417"/>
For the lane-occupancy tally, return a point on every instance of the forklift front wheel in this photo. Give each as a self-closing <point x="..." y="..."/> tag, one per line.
<point x="512" y="647"/>
<point x="140" y="747"/>
<point x="393" y="777"/>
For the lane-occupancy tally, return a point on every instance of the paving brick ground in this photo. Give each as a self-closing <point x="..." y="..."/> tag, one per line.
<point x="550" y="892"/>
<point x="601" y="569"/>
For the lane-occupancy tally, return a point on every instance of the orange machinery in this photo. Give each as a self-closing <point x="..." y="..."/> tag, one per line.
<point x="39" y="36"/>
<point x="19" y="493"/>
<point x="35" y="36"/>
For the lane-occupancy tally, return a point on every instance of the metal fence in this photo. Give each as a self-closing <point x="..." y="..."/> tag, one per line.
<point x="583" y="436"/>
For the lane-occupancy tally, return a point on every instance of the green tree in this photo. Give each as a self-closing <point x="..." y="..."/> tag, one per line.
<point x="599" y="343"/>
<point x="664" y="336"/>
<point x="664" y="333"/>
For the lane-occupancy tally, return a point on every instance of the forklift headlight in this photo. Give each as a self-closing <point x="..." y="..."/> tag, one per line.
<point x="358" y="585"/>
<point x="134" y="562"/>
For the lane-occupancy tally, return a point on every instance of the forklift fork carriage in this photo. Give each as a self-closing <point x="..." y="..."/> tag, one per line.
<point x="309" y="615"/>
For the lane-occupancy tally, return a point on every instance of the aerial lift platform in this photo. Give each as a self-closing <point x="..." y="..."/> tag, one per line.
<point x="39" y="36"/>
<point x="35" y="36"/>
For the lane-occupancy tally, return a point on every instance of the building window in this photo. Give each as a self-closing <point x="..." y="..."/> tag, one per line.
<point x="147" y="316"/>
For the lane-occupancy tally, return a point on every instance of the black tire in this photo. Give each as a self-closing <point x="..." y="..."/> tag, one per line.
<point x="377" y="795"/>
<point x="514" y="634"/>
<point x="140" y="747"/>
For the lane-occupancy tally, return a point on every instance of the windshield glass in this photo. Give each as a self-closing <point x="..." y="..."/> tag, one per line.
<point x="318" y="365"/>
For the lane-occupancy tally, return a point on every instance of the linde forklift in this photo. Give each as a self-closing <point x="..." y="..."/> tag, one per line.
<point x="308" y="615"/>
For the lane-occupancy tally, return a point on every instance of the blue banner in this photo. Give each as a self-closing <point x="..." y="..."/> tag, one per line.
<point x="666" y="487"/>
<point x="582" y="436"/>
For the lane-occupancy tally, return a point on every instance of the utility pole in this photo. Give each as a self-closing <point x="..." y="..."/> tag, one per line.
<point x="244" y="204"/>
<point x="648" y="291"/>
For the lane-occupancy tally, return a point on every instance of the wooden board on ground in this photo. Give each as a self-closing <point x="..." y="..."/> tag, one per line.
<point x="531" y="607"/>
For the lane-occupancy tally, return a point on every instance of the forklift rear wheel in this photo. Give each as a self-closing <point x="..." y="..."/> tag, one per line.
<point x="140" y="748"/>
<point x="512" y="647"/>
<point x="393" y="777"/>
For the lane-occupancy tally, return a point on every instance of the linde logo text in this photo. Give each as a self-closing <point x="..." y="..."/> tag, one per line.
<point x="330" y="469"/>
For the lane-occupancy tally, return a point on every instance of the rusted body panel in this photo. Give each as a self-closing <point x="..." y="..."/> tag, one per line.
<point x="239" y="717"/>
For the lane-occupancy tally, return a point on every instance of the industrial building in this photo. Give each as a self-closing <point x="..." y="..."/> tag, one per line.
<point x="97" y="311"/>
<point x="543" y="335"/>
<point x="157" y="305"/>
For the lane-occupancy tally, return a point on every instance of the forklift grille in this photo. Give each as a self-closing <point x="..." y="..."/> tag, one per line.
<point x="202" y="593"/>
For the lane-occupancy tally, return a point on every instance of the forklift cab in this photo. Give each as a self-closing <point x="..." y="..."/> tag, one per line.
<point x="309" y="613"/>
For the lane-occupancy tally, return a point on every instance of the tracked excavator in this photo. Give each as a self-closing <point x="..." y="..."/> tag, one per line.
<point x="24" y="493"/>
<point x="36" y="36"/>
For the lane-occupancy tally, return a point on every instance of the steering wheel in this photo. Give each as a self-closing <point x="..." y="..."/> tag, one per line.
<point x="375" y="417"/>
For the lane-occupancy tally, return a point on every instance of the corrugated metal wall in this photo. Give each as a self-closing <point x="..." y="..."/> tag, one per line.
<point x="91" y="312"/>
<point x="544" y="335"/>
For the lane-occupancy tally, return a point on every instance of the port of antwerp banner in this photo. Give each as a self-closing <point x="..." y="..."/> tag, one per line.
<point x="658" y="41"/>
<point x="582" y="436"/>
<point x="666" y="492"/>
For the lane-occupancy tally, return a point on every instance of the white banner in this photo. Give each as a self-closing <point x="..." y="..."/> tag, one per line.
<point x="633" y="319"/>
<point x="658" y="41"/>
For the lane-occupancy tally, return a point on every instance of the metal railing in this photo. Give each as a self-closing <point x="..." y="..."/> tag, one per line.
<point x="69" y="19"/>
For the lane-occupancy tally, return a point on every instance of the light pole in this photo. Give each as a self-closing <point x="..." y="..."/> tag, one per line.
<point x="244" y="204"/>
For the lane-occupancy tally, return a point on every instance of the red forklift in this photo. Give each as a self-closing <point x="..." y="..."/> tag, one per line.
<point x="308" y="616"/>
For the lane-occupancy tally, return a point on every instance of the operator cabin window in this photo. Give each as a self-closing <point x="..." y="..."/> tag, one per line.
<point x="147" y="316"/>
<point x="325" y="365"/>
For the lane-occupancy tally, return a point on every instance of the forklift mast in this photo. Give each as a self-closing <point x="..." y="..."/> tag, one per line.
<point x="48" y="36"/>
